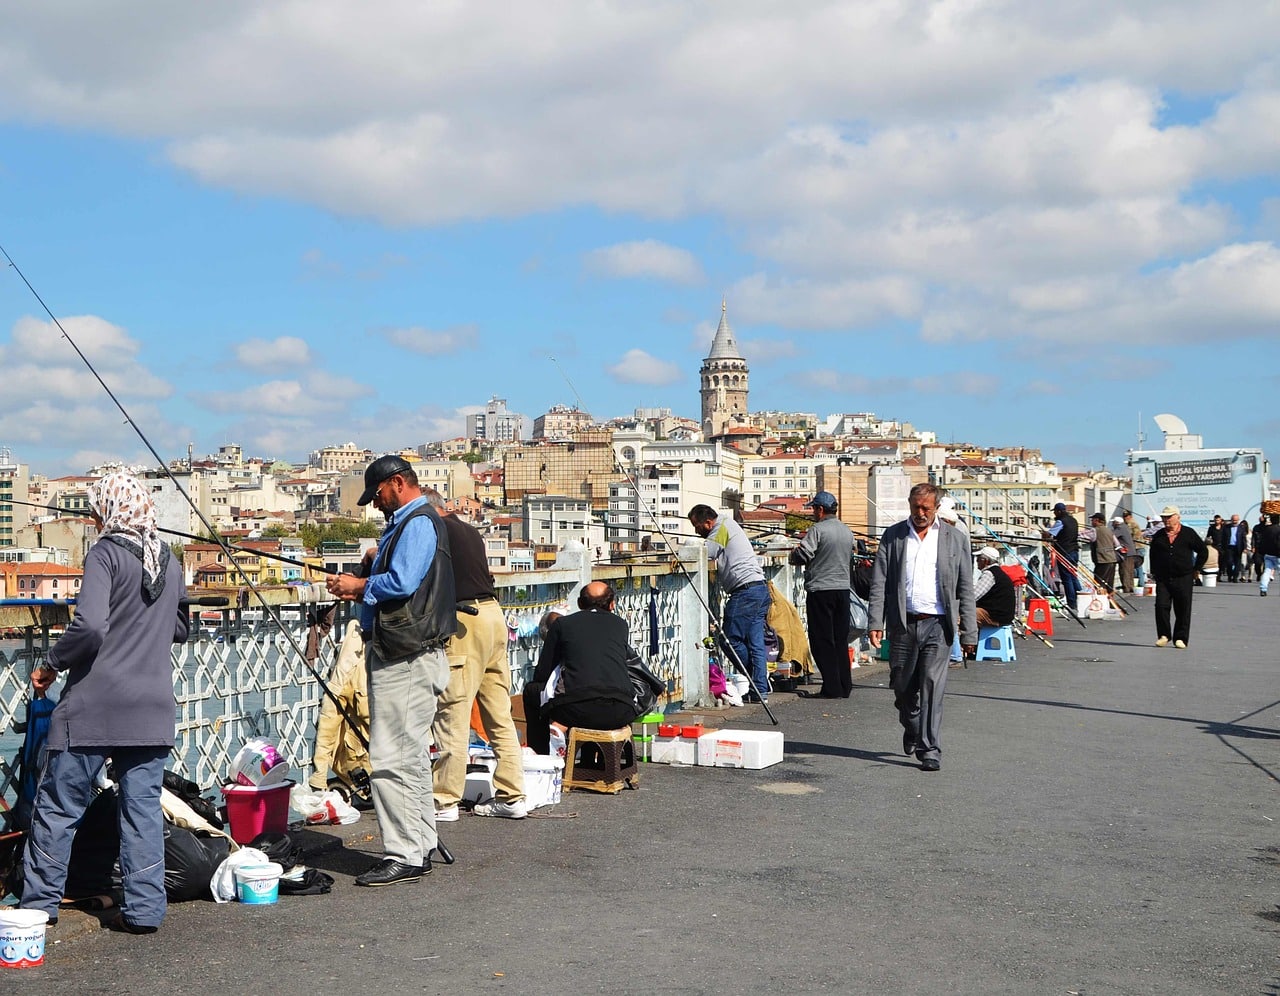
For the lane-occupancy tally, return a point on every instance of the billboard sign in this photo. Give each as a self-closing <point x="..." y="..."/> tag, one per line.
<point x="1202" y="483"/>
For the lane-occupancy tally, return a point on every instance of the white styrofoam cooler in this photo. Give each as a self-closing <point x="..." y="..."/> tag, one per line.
<point x="674" y="750"/>
<point x="740" y="748"/>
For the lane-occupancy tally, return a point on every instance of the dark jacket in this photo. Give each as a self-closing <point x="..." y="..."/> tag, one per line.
<point x="1067" y="542"/>
<point x="592" y="649"/>
<point x="1000" y="600"/>
<point x="403" y="627"/>
<point x="1186" y="555"/>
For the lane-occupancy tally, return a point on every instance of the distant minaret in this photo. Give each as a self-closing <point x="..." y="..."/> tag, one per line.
<point x="724" y="380"/>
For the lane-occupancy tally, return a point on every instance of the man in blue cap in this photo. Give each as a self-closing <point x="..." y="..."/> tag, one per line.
<point x="408" y="611"/>
<point x="827" y="554"/>
<point x="1064" y="535"/>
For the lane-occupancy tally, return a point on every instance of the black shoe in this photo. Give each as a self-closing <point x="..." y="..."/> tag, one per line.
<point x="123" y="925"/>
<point x="753" y="697"/>
<point x="908" y="743"/>
<point x="815" y="695"/>
<point x="930" y="764"/>
<point x="389" y="871"/>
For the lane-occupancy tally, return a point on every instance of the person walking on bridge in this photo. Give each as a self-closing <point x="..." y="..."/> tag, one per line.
<point x="1177" y="554"/>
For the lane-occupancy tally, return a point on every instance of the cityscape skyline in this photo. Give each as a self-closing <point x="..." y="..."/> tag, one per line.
<point x="1008" y="225"/>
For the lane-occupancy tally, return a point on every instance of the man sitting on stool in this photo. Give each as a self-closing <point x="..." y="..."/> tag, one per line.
<point x="582" y="671"/>
<point x="993" y="591"/>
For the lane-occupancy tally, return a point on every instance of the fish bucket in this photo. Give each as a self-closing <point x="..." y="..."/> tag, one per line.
<point x="22" y="938"/>
<point x="258" y="885"/>
<point x="255" y="809"/>
<point x="257" y="763"/>
<point x="1210" y="578"/>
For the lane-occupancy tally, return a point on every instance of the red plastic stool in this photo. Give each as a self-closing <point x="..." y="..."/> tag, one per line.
<point x="1039" y="617"/>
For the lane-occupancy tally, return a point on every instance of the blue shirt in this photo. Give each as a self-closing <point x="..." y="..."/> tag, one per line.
<point x="414" y="552"/>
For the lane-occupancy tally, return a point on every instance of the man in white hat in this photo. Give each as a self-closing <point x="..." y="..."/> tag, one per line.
<point x="993" y="591"/>
<point x="1177" y="554"/>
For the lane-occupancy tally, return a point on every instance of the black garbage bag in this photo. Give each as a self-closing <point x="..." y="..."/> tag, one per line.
<point x="190" y="860"/>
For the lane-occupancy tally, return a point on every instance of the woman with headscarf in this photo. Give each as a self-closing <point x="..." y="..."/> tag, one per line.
<point x="118" y="704"/>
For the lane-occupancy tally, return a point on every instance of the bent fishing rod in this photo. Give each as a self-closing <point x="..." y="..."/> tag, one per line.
<point x="267" y="608"/>
<point x="724" y="640"/>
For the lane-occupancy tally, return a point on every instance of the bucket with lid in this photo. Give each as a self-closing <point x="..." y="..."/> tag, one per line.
<point x="259" y="884"/>
<point x="22" y="938"/>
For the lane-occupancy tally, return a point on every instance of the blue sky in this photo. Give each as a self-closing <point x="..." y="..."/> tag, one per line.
<point x="292" y="224"/>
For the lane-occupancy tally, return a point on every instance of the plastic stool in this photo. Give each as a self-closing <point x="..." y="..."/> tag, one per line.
<point x="1039" y="617"/>
<point x="600" y="760"/>
<point x="995" y="643"/>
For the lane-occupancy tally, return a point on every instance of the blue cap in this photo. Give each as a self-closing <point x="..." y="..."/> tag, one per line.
<point x="823" y="499"/>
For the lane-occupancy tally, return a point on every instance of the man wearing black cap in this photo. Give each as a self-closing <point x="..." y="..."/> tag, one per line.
<point x="1065" y="537"/>
<point x="407" y="614"/>
<point x="826" y="553"/>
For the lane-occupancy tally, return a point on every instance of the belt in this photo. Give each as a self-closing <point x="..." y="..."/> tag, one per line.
<point x="917" y="616"/>
<point x="744" y="587"/>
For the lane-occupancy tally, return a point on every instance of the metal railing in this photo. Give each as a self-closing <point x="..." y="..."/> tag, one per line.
<point x="239" y="677"/>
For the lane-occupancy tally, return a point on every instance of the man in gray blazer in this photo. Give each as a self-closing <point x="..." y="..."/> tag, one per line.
<point x="926" y="566"/>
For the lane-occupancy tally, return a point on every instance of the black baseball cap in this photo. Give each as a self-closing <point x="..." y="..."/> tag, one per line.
<point x="382" y="469"/>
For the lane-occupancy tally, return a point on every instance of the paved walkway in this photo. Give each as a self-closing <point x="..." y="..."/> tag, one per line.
<point x="1105" y="822"/>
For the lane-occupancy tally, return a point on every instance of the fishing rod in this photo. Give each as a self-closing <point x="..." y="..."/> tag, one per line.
<point x="192" y="536"/>
<point x="267" y="608"/>
<point x="724" y="640"/>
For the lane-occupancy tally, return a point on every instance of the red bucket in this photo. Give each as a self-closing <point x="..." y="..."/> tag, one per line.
<point x="252" y="810"/>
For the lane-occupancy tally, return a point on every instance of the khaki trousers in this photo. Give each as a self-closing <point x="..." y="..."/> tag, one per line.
<point x="402" y="704"/>
<point x="478" y="672"/>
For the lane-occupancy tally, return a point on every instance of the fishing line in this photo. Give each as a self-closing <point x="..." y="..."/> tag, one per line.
<point x="641" y="500"/>
<point x="268" y="609"/>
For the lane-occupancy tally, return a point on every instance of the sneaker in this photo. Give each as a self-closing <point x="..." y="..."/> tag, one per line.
<point x="507" y="810"/>
<point x="1179" y="645"/>
<point x="1263" y="593"/>
<point x="447" y="815"/>
<point x="1162" y="642"/>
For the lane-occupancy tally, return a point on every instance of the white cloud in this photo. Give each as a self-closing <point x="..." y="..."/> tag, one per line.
<point x="283" y="353"/>
<point x="638" y="367"/>
<point x="433" y="342"/>
<point x="316" y="393"/>
<point x="647" y="258"/>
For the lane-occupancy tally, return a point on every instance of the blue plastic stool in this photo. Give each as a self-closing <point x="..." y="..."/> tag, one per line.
<point x="995" y="643"/>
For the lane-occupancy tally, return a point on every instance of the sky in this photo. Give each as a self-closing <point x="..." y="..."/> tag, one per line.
<point x="293" y="224"/>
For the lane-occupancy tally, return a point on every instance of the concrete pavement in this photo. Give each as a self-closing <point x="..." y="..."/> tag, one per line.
<point x="1105" y="822"/>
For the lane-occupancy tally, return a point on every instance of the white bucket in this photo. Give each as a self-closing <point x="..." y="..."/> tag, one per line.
<point x="543" y="779"/>
<point x="741" y="683"/>
<point x="258" y="763"/>
<point x="258" y="884"/>
<point x="1209" y="577"/>
<point x="22" y="938"/>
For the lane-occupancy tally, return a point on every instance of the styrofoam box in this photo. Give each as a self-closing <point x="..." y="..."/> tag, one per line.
<point x="740" y="748"/>
<point x="674" y="750"/>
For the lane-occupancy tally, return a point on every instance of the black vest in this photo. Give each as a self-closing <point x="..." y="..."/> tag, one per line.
<point x="403" y="627"/>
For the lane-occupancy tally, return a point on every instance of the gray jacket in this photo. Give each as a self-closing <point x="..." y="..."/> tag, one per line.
<point x="955" y="579"/>
<point x="826" y="551"/>
<point x="118" y="652"/>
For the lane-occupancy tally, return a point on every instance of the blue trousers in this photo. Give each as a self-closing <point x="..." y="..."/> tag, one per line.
<point x="1070" y="583"/>
<point x="65" y="789"/>
<point x="744" y="618"/>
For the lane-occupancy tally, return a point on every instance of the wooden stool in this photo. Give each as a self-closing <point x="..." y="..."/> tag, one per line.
<point x="600" y="760"/>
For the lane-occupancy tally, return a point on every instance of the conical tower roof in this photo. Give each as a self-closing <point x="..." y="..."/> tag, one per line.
<point x="724" y="346"/>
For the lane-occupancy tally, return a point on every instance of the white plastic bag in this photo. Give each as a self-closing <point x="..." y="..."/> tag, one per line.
<point x="322" y="807"/>
<point x="223" y="883"/>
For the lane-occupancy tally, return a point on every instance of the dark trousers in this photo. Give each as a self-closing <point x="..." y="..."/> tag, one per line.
<point x="918" y="660"/>
<point x="1175" y="593"/>
<point x="828" y="613"/>
<point x="603" y="714"/>
<point x="1106" y="575"/>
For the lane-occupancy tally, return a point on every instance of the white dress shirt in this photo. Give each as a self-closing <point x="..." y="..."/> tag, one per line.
<point x="920" y="572"/>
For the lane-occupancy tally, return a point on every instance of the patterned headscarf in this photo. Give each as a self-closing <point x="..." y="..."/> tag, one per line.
<point x="129" y="520"/>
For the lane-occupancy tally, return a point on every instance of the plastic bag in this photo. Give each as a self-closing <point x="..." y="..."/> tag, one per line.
<point x="223" y="883"/>
<point x="322" y="807"/>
